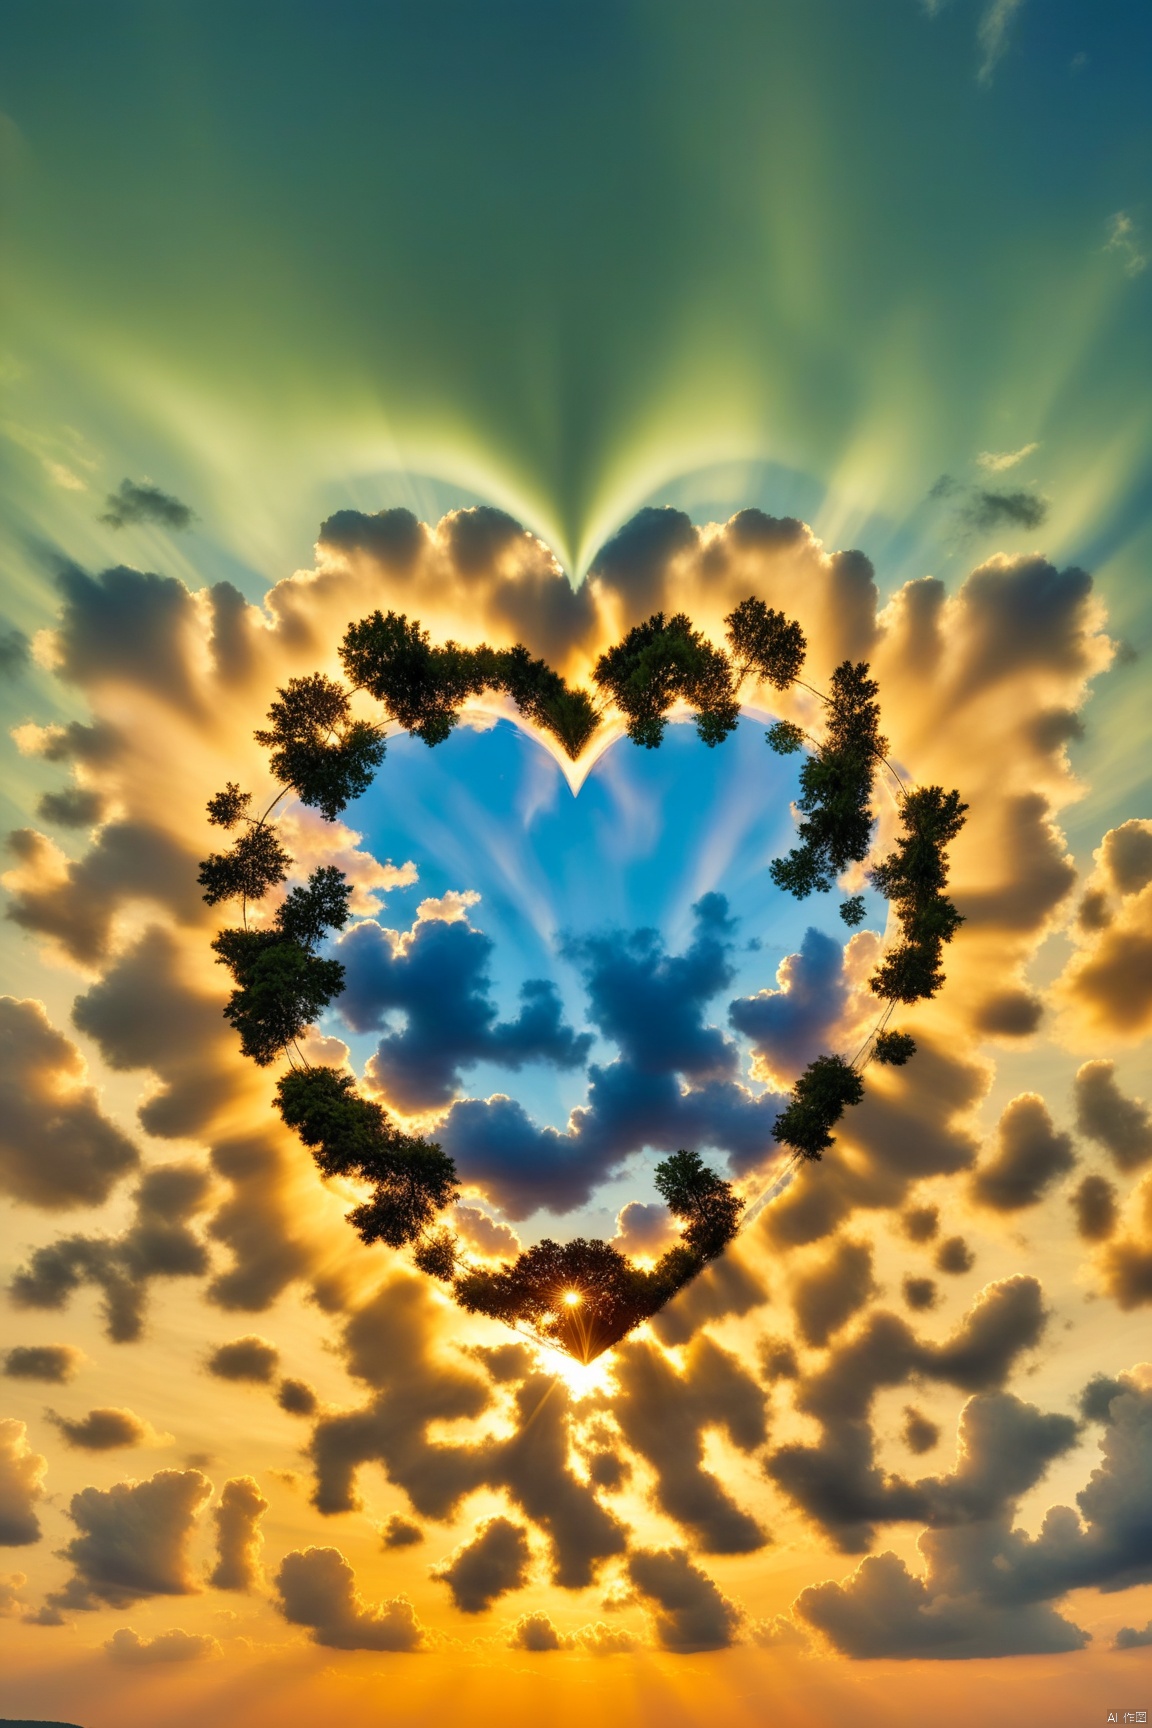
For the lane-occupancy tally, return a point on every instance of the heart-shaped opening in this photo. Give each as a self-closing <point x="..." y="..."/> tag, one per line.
<point x="327" y="739"/>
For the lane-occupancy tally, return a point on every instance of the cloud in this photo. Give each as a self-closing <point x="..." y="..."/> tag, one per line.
<point x="836" y="1480"/>
<point x="317" y="1589"/>
<point x="1029" y="1157"/>
<point x="21" y="1478"/>
<point x="128" y="1647"/>
<point x="1106" y="987"/>
<point x="11" y="1601"/>
<point x="991" y="510"/>
<point x="400" y="1532"/>
<point x="15" y="652"/>
<point x="486" y="1235"/>
<point x="296" y="1397"/>
<point x="133" y="1542"/>
<point x="1133" y="1638"/>
<point x="494" y="1562"/>
<point x="1122" y="1125"/>
<point x="238" y="1538"/>
<point x="790" y="1025"/>
<point x="248" y="1358"/>
<point x="438" y="978"/>
<point x="1094" y="1202"/>
<point x="689" y="1610"/>
<point x="104" y="1430"/>
<point x="1123" y="239"/>
<point x="55" y="1363"/>
<point x="918" y="1433"/>
<point x="157" y="1244"/>
<point x="826" y="1296"/>
<point x="74" y="807"/>
<point x="138" y="501"/>
<point x="58" y="1150"/>
<point x="992" y="35"/>
<point x="663" y="1414"/>
<point x="535" y="1632"/>
<point x="998" y="462"/>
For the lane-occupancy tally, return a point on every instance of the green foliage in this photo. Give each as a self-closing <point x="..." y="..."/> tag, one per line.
<point x="227" y="807"/>
<point x="660" y="662"/>
<point x="248" y="870"/>
<point x="540" y="694"/>
<point x="422" y="687"/>
<point x="766" y="642"/>
<point x="702" y="1199"/>
<point x="308" y="913"/>
<point x="438" y="1255"/>
<point x="914" y="876"/>
<point x="819" y="1098"/>
<point x="785" y="738"/>
<point x="282" y="989"/>
<point x="317" y="748"/>
<point x="853" y="911"/>
<point x="893" y="1048"/>
<point x="413" y="1179"/>
<point x="614" y="1295"/>
<point x="836" y="788"/>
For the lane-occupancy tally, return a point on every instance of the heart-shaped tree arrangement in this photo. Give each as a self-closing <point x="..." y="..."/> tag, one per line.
<point x="581" y="1296"/>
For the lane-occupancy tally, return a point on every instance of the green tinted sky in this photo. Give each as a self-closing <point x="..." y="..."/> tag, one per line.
<point x="572" y="257"/>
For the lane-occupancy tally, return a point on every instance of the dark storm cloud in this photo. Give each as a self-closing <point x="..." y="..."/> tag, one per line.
<point x="249" y="1358"/>
<point x="21" y="1475"/>
<point x="790" y="1025"/>
<point x="137" y="501"/>
<point x="1029" y="1157"/>
<point x="439" y="980"/>
<point x="990" y="509"/>
<point x="133" y="1541"/>
<point x="238" y="1539"/>
<point x="690" y="1612"/>
<point x="1121" y="1124"/>
<point x="664" y="1414"/>
<point x="492" y="1563"/>
<point x="317" y="1589"/>
<point x="55" y="1363"/>
<point x="157" y="1244"/>
<point x="58" y="1150"/>
<point x="826" y="1296"/>
<point x="102" y="1430"/>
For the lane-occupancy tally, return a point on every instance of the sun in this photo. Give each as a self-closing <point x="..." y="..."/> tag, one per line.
<point x="572" y="1298"/>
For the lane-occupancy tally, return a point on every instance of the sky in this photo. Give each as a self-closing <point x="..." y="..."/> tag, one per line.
<point x="530" y="320"/>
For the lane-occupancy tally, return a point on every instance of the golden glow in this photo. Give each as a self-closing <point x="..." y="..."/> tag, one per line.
<point x="572" y="1298"/>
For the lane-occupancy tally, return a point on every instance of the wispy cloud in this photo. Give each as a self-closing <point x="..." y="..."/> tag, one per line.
<point x="1123" y="239"/>
<point x="998" y="461"/>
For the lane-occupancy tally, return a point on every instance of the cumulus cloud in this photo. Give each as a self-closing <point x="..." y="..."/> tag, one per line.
<point x="134" y="1540"/>
<point x="55" y="1363"/>
<point x="826" y="1295"/>
<point x="1029" y="1156"/>
<point x="437" y="976"/>
<point x="673" y="1083"/>
<point x="238" y="1539"/>
<point x="58" y="1150"/>
<point x="296" y="1397"/>
<point x="317" y="1589"/>
<point x="493" y="1562"/>
<point x="1106" y="987"/>
<point x="128" y="1647"/>
<point x="689" y="1610"/>
<point x="157" y="1244"/>
<point x="401" y="1532"/>
<point x="138" y="501"/>
<point x="790" y="1025"/>
<point x="1094" y="1202"/>
<point x="104" y="1430"/>
<point x="249" y="1358"/>
<point x="21" y="1486"/>
<point x="664" y="1414"/>
<point x="1122" y="1125"/>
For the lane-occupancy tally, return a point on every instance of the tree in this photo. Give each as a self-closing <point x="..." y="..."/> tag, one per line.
<point x="659" y="662"/>
<point x="819" y="1098"/>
